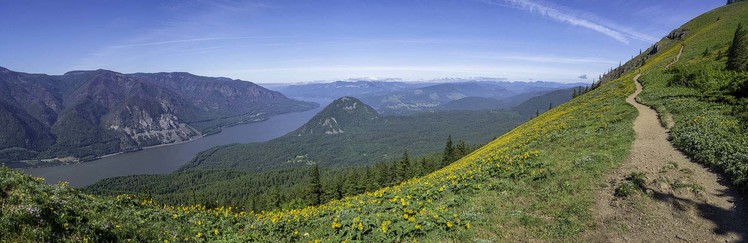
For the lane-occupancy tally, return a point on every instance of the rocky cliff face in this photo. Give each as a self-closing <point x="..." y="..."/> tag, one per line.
<point x="92" y="113"/>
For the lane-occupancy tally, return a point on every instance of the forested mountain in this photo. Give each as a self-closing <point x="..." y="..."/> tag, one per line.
<point x="348" y="132"/>
<point x="84" y="114"/>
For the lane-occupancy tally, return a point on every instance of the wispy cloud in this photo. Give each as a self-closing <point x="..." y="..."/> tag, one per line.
<point x="620" y="34"/>
<point x="541" y="58"/>
<point x="189" y="41"/>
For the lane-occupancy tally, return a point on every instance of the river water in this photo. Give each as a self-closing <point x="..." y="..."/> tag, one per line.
<point x="166" y="159"/>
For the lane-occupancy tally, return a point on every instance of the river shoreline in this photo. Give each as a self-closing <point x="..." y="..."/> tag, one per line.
<point x="167" y="158"/>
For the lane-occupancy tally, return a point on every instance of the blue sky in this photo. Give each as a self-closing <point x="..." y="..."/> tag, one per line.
<point x="295" y="41"/>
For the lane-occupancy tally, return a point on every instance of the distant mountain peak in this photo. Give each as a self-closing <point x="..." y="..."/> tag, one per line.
<point x="340" y="115"/>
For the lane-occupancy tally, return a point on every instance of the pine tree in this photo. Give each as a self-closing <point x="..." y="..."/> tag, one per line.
<point x="405" y="167"/>
<point x="550" y="106"/>
<point x="350" y="183"/>
<point x="574" y="95"/>
<point x="315" y="187"/>
<point x="461" y="149"/>
<point x="371" y="179"/>
<point x="274" y="199"/>
<point x="424" y="167"/>
<point x="737" y="55"/>
<point x="449" y="152"/>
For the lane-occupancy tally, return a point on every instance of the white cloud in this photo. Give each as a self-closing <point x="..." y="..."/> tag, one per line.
<point x="621" y="34"/>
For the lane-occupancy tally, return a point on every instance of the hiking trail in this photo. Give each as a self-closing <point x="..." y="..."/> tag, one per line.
<point x="679" y="200"/>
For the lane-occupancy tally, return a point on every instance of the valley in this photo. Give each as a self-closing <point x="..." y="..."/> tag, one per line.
<point x="166" y="159"/>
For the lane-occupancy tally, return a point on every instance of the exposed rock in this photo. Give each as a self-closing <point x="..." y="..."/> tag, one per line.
<point x="677" y="34"/>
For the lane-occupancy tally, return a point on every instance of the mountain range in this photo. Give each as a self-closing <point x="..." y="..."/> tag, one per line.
<point x="85" y="114"/>
<point x="406" y="98"/>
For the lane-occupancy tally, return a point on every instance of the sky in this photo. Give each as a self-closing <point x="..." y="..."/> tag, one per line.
<point x="282" y="41"/>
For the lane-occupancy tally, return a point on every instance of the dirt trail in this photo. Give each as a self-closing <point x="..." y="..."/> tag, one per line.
<point x="680" y="201"/>
<point x="677" y="57"/>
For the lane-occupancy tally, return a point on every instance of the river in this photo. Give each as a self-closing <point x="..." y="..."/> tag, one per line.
<point x="166" y="159"/>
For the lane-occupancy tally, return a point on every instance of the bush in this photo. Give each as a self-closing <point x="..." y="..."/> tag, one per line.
<point x="705" y="78"/>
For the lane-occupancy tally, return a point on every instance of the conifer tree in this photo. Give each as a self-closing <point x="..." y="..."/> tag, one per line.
<point x="461" y="149"/>
<point x="350" y="183"/>
<point x="371" y="179"/>
<point x="315" y="187"/>
<point x="274" y="199"/>
<point x="405" y="167"/>
<point x="449" y="152"/>
<point x="737" y="55"/>
<point x="424" y="167"/>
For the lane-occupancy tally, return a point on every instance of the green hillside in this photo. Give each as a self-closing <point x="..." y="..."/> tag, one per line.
<point x="534" y="183"/>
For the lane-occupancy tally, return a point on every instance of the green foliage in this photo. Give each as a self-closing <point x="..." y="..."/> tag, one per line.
<point x="315" y="187"/>
<point x="449" y="154"/>
<point x="708" y="77"/>
<point x="626" y="189"/>
<point x="737" y="54"/>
